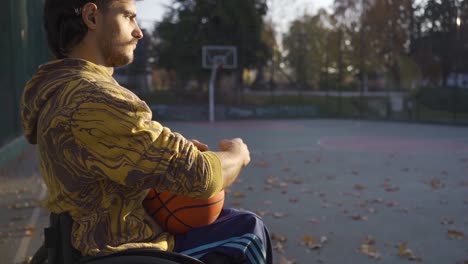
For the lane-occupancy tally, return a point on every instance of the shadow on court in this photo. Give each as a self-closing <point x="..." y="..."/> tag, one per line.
<point x="330" y="191"/>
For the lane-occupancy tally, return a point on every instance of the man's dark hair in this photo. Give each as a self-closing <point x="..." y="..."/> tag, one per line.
<point x="64" y="25"/>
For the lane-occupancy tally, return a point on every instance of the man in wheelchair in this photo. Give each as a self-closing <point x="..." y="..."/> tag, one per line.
<point x="100" y="152"/>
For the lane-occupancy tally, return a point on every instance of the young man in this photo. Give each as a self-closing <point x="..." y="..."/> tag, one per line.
<point x="100" y="151"/>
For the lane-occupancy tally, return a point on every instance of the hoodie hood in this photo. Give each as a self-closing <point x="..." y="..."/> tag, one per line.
<point x="49" y="79"/>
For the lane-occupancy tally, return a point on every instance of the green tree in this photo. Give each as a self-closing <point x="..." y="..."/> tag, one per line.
<point x="306" y="48"/>
<point x="190" y="24"/>
<point x="437" y="48"/>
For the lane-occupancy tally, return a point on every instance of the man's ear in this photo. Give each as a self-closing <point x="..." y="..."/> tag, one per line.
<point x="89" y="14"/>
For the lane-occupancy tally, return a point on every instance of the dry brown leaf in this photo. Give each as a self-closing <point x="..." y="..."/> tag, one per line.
<point x="371" y="210"/>
<point x="239" y="195"/>
<point x="355" y="173"/>
<point x="279" y="215"/>
<point x="370" y="251"/>
<point x="293" y="199"/>
<point x="404" y="251"/>
<point x="436" y="184"/>
<point x="235" y="203"/>
<point x="359" y="187"/>
<point x="314" y="221"/>
<point x="392" y="189"/>
<point x="261" y="213"/>
<point x="392" y="204"/>
<point x="378" y="200"/>
<point x="311" y="242"/>
<point x="284" y="260"/>
<point x="294" y="181"/>
<point x="361" y="204"/>
<point x="278" y="246"/>
<point x="455" y="234"/>
<point x="359" y="217"/>
<point x="278" y="237"/>
<point x="251" y="188"/>
<point x="261" y="164"/>
<point x="369" y="240"/>
<point x="447" y="221"/>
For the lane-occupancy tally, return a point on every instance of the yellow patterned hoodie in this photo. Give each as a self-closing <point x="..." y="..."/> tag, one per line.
<point x="100" y="151"/>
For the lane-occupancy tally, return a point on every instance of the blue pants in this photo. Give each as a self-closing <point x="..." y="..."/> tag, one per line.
<point x="238" y="234"/>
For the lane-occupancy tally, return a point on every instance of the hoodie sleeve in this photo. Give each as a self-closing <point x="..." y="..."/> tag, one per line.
<point x="114" y="129"/>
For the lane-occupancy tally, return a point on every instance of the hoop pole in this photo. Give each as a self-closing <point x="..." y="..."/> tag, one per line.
<point x="211" y="89"/>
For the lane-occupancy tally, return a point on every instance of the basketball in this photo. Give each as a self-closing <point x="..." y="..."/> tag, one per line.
<point x="178" y="214"/>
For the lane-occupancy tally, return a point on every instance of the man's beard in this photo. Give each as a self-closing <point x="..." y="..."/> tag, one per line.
<point x="115" y="56"/>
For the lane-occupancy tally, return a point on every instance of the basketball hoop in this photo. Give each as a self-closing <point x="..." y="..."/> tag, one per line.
<point x="214" y="58"/>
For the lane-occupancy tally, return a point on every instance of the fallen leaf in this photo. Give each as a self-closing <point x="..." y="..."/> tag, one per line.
<point x="284" y="260"/>
<point x="359" y="217"/>
<point x="436" y="184"/>
<point x="447" y="221"/>
<point x="378" y="200"/>
<point x="294" y="181"/>
<point x="261" y="164"/>
<point x="279" y="215"/>
<point x="310" y="242"/>
<point x="404" y="251"/>
<point x="455" y="234"/>
<point x="293" y="199"/>
<point x="369" y="240"/>
<point x="359" y="187"/>
<point x="392" y="189"/>
<point x="278" y="246"/>
<point x="323" y="239"/>
<point x="361" y="204"/>
<point x="314" y="221"/>
<point x="370" y="251"/>
<point x="261" y="213"/>
<point x="278" y="237"/>
<point x="239" y="195"/>
<point x="391" y="204"/>
<point x="355" y="173"/>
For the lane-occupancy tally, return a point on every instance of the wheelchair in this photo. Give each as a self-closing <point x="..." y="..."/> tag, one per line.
<point x="57" y="249"/>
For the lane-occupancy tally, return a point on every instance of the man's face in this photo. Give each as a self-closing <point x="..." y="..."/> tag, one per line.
<point x="119" y="33"/>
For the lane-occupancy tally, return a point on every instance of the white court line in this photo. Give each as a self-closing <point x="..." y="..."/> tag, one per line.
<point x="23" y="247"/>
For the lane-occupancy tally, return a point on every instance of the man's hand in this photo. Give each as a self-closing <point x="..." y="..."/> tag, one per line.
<point x="237" y="147"/>
<point x="234" y="155"/>
<point x="200" y="146"/>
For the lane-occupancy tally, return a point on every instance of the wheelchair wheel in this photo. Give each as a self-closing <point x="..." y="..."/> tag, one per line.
<point x="40" y="257"/>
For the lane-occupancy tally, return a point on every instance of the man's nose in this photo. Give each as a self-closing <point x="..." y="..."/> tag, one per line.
<point x="137" y="33"/>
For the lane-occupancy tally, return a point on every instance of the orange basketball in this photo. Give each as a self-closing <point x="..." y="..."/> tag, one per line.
<point x="178" y="214"/>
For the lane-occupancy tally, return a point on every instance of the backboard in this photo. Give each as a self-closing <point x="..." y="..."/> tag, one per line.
<point x="224" y="56"/>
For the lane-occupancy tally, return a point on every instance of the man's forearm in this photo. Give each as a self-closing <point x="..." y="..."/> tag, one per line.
<point x="231" y="165"/>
